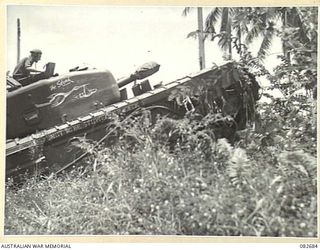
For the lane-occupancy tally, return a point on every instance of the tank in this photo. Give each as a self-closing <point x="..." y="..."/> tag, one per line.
<point x="49" y="102"/>
<point x="43" y="118"/>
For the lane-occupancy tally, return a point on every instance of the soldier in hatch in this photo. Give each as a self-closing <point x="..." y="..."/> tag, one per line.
<point x="23" y="72"/>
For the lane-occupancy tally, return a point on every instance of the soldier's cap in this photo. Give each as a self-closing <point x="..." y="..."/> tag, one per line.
<point x="36" y="51"/>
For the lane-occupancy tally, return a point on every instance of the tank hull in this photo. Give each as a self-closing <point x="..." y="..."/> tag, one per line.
<point x="56" y="100"/>
<point x="50" y="150"/>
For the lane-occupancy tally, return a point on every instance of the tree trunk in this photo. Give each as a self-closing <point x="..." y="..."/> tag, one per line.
<point x="286" y="53"/>
<point x="201" y="40"/>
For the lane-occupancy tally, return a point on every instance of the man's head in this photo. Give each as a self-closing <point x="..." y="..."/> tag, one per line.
<point x="36" y="54"/>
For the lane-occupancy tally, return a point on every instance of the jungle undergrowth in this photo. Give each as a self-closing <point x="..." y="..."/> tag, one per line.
<point x="179" y="178"/>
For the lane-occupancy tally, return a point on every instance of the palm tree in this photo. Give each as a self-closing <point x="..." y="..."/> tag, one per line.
<point x="264" y="21"/>
<point x="226" y="17"/>
<point x="246" y="24"/>
<point x="199" y="33"/>
<point x="261" y="22"/>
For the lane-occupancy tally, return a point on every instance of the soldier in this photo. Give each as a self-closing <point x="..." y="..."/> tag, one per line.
<point x="23" y="72"/>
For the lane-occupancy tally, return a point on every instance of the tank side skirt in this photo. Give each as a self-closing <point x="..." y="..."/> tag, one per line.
<point x="100" y="116"/>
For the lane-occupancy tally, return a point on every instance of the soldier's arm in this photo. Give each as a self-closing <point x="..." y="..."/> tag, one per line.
<point x="31" y="70"/>
<point x="28" y="67"/>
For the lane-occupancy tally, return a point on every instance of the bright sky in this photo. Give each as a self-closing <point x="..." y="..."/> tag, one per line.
<point x="116" y="38"/>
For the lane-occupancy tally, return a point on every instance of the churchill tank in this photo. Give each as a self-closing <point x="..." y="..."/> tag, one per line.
<point x="44" y="118"/>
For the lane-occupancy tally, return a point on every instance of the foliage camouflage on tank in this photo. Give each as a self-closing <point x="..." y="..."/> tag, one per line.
<point x="45" y="118"/>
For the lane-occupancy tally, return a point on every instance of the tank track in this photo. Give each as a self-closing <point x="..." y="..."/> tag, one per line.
<point x="101" y="116"/>
<point x="46" y="149"/>
<point x="16" y="145"/>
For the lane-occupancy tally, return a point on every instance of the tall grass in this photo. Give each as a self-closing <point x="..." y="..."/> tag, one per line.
<point x="177" y="179"/>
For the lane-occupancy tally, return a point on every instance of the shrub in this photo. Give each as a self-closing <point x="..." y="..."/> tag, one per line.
<point x="178" y="178"/>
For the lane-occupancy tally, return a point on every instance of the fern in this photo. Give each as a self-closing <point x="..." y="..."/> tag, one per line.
<point x="300" y="172"/>
<point x="298" y="161"/>
<point x="237" y="167"/>
<point x="224" y="148"/>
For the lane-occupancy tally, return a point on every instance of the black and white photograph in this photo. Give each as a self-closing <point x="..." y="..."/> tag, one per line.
<point x="161" y="121"/>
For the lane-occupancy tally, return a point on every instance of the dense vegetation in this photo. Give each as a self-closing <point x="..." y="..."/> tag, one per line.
<point x="173" y="178"/>
<point x="263" y="185"/>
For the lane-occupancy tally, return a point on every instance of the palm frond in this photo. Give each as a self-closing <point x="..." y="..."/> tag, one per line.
<point x="244" y="28"/>
<point x="214" y="36"/>
<point x="186" y="11"/>
<point x="224" y="42"/>
<point x="225" y="19"/>
<point x="238" y="28"/>
<point x="233" y="11"/>
<point x="268" y="13"/>
<point x="253" y="33"/>
<point x="193" y="34"/>
<point x="266" y="42"/>
<point x="210" y="22"/>
<point x="240" y="21"/>
<point x="210" y="32"/>
<point x="213" y="16"/>
<point x="238" y="41"/>
<point x="298" y="21"/>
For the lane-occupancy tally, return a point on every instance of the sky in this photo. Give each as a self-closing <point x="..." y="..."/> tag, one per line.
<point x="116" y="38"/>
